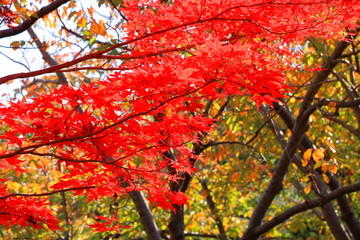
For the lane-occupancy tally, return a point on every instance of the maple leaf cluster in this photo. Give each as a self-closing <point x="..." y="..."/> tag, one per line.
<point x="112" y="135"/>
<point x="25" y="211"/>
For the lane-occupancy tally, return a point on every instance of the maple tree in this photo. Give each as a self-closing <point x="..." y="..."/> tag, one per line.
<point x="179" y="105"/>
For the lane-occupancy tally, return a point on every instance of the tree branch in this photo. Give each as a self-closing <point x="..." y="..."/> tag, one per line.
<point x="96" y="55"/>
<point x="30" y="148"/>
<point x="210" y="202"/>
<point x="44" y="194"/>
<point x="146" y="217"/>
<point x="46" y="56"/>
<point x="32" y="19"/>
<point x="261" y="157"/>
<point x="318" y="185"/>
<point x="305" y="206"/>
<point x="347" y="213"/>
<point x="343" y="124"/>
<point x="298" y="132"/>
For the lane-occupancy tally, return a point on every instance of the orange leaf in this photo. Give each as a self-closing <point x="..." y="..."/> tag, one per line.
<point x="307" y="189"/>
<point x="332" y="104"/>
<point x="324" y="167"/>
<point x="318" y="154"/>
<point x="307" y="154"/>
<point x="98" y="28"/>
<point x="306" y="157"/>
<point x="333" y="168"/>
<point x="326" y="178"/>
<point x="82" y="22"/>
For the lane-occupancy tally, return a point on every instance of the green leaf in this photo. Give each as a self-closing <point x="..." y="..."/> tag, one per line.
<point x="318" y="164"/>
<point x="86" y="32"/>
<point x="101" y="2"/>
<point x="114" y="52"/>
<point x="117" y="2"/>
<point x="92" y="41"/>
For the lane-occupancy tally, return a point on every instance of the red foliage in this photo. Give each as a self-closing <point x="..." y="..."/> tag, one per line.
<point x="6" y="15"/>
<point x="106" y="224"/>
<point x="106" y="132"/>
<point x="25" y="211"/>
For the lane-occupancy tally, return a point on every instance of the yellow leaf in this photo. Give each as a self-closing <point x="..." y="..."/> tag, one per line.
<point x="307" y="189"/>
<point x="82" y="22"/>
<point x="318" y="154"/>
<point x="326" y="178"/>
<point x="292" y="100"/>
<point x="97" y="112"/>
<point x="294" y="166"/>
<point x="14" y="186"/>
<point x="307" y="154"/>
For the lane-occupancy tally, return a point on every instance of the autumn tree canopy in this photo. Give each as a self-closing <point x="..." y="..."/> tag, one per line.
<point x="196" y="119"/>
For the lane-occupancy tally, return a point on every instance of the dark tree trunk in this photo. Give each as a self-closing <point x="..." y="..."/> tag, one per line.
<point x="146" y="216"/>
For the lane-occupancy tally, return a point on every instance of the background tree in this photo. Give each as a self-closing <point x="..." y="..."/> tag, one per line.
<point x="217" y="119"/>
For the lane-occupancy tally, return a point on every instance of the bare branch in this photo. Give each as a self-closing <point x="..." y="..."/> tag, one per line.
<point x="298" y="132"/>
<point x="44" y="194"/>
<point x="32" y="19"/>
<point x="305" y="206"/>
<point x="46" y="56"/>
<point x="22" y="64"/>
<point x="114" y="6"/>
<point x="317" y="183"/>
<point x="145" y="214"/>
<point x="343" y="124"/>
<point x="97" y="55"/>
<point x="210" y="202"/>
<point x="95" y="68"/>
<point x="261" y="157"/>
<point x="347" y="213"/>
